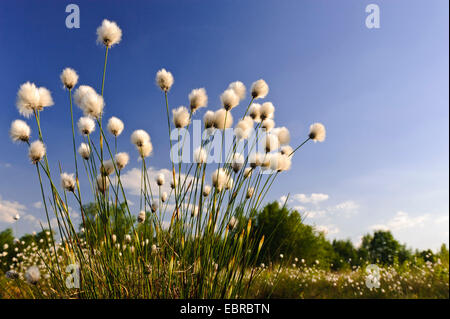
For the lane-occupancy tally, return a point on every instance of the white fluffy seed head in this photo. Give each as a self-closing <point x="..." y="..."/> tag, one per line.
<point x="30" y="98"/>
<point x="154" y="207"/>
<point x="33" y="275"/>
<point x="270" y="142"/>
<point x="283" y="135"/>
<point x="260" y="89"/>
<point x="93" y="105"/>
<point x="237" y="162"/>
<point x="208" y="119"/>
<point x="102" y="183"/>
<point x="115" y="126"/>
<point x="280" y="162"/>
<point x="255" y="160"/>
<point x="140" y="137"/>
<point x="108" y="33"/>
<point x="19" y="131"/>
<point x="84" y="150"/>
<point x="86" y="125"/>
<point x="229" y="99"/>
<point x="160" y="179"/>
<point x="198" y="99"/>
<point x="244" y="128"/>
<point x="69" y="78"/>
<point x="107" y="168"/>
<point x="222" y="119"/>
<point x="164" y="80"/>
<point x="141" y="217"/>
<point x="317" y="132"/>
<point x="219" y="179"/>
<point x="121" y="159"/>
<point x="255" y="112"/>
<point x="164" y="197"/>
<point x="181" y="117"/>
<point x="267" y="125"/>
<point x="145" y="150"/>
<point x="267" y="110"/>
<point x="250" y="192"/>
<point x="194" y="211"/>
<point x="36" y="151"/>
<point x="68" y="182"/>
<point x="206" y="190"/>
<point x="239" y="88"/>
<point x="80" y="93"/>
<point x="200" y="155"/>
<point x="286" y="150"/>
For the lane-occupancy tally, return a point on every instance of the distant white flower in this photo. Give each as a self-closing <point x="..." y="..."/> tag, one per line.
<point x="33" y="275"/>
<point x="164" y="80"/>
<point x="250" y="192"/>
<point x="164" y="197"/>
<point x="128" y="238"/>
<point x="270" y="142"/>
<point x="108" y="33"/>
<point x="255" y="112"/>
<point x="219" y="179"/>
<point x="69" y="78"/>
<point x="239" y="88"/>
<point x="141" y="217"/>
<point x="206" y="190"/>
<point x="259" y="89"/>
<point x="19" y="131"/>
<point x="154" y="207"/>
<point x="115" y="126"/>
<point x="229" y="99"/>
<point x="267" y="110"/>
<point x="102" y="183"/>
<point x="181" y="117"/>
<point x="86" y="125"/>
<point x="237" y="162"/>
<point x="281" y="256"/>
<point x="68" y="182"/>
<point x="194" y="211"/>
<point x="107" y="168"/>
<point x="146" y="149"/>
<point x="16" y="217"/>
<point x="200" y="155"/>
<point x="267" y="125"/>
<point x="283" y="135"/>
<point x="317" y="132"/>
<point x="31" y="99"/>
<point x="121" y="159"/>
<point x="36" y="151"/>
<point x="244" y="128"/>
<point x="223" y="119"/>
<point x="114" y="238"/>
<point x="198" y="99"/>
<point x="84" y="150"/>
<point x="233" y="222"/>
<point x="11" y="274"/>
<point x="160" y="179"/>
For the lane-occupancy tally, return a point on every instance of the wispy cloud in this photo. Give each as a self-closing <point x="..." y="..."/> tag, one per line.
<point x="8" y="209"/>
<point x="402" y="220"/>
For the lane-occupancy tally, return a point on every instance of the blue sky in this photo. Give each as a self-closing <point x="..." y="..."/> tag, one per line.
<point x="382" y="94"/>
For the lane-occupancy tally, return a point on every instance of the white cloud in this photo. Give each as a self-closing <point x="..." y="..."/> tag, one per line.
<point x="37" y="205"/>
<point x="9" y="209"/>
<point x="314" y="198"/>
<point x="328" y="229"/>
<point x="402" y="220"/>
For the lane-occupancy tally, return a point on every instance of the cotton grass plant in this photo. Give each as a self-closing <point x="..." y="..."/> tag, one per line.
<point x="196" y="241"/>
